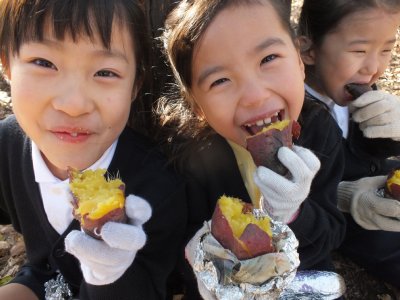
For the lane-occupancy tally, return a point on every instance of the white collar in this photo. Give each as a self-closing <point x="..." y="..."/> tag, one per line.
<point x="328" y="101"/>
<point x="44" y="175"/>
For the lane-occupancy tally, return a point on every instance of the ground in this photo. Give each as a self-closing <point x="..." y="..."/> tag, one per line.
<point x="360" y="285"/>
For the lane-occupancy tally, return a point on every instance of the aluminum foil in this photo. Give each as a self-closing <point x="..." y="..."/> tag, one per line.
<point x="314" y="285"/>
<point x="57" y="289"/>
<point x="270" y="276"/>
<point x="262" y="277"/>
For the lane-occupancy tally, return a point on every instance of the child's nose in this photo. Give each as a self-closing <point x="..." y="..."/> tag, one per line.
<point x="74" y="100"/>
<point x="254" y="93"/>
<point x="370" y="65"/>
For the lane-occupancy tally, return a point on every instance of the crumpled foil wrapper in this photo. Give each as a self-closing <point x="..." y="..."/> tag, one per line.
<point x="262" y="277"/>
<point x="314" y="285"/>
<point x="57" y="289"/>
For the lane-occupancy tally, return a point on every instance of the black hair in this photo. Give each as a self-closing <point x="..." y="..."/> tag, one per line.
<point x="318" y="18"/>
<point x="23" y="21"/>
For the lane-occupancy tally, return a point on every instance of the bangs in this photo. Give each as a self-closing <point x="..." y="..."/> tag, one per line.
<point x="75" y="18"/>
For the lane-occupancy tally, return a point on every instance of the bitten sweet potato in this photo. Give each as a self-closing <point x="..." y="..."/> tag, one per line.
<point x="235" y="227"/>
<point x="356" y="90"/>
<point x="264" y="145"/>
<point x="392" y="186"/>
<point x="96" y="200"/>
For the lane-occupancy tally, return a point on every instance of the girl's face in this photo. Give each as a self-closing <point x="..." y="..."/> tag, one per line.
<point x="73" y="98"/>
<point x="246" y="71"/>
<point x="358" y="51"/>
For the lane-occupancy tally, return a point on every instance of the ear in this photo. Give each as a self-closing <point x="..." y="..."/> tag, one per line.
<point x="198" y="111"/>
<point x="5" y="67"/>
<point x="307" y="51"/>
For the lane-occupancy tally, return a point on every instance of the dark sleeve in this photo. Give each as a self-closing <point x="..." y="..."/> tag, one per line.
<point x="368" y="157"/>
<point x="320" y="226"/>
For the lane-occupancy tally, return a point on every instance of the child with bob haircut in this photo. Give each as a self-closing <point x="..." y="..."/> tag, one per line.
<point x="345" y="42"/>
<point x="75" y="68"/>
<point x="237" y="67"/>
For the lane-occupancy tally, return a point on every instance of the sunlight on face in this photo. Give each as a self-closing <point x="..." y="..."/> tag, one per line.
<point x="357" y="51"/>
<point x="73" y="98"/>
<point x="246" y="69"/>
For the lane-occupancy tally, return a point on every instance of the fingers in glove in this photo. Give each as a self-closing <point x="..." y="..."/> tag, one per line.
<point x="302" y="164"/>
<point x="274" y="186"/>
<point x="123" y="236"/>
<point x="89" y="250"/>
<point x="308" y="157"/>
<point x="368" y="98"/>
<point x="384" y="206"/>
<point x="137" y="209"/>
<point x="386" y="118"/>
<point x="373" y="110"/>
<point x="386" y="131"/>
<point x="387" y="224"/>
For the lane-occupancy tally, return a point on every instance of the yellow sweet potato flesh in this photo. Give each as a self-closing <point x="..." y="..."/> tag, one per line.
<point x="96" y="196"/>
<point x="232" y="209"/>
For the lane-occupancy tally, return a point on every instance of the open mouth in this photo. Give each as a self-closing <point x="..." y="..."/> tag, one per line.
<point x="255" y="128"/>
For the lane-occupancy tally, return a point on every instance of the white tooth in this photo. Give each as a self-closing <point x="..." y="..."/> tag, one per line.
<point x="267" y="121"/>
<point x="260" y="123"/>
<point x="74" y="134"/>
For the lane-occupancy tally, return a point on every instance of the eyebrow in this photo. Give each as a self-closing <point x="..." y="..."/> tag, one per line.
<point x="103" y="52"/>
<point x="260" y="47"/>
<point x="355" y="42"/>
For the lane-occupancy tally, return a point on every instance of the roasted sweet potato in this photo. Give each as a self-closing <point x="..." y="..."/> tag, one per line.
<point x="264" y="145"/>
<point x="235" y="227"/>
<point x="96" y="200"/>
<point x="392" y="186"/>
<point x="356" y="90"/>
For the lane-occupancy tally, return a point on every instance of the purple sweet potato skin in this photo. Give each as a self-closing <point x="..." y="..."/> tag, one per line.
<point x="222" y="232"/>
<point x="356" y="90"/>
<point x="257" y="241"/>
<point x="93" y="226"/>
<point x="265" y="145"/>
<point x="392" y="190"/>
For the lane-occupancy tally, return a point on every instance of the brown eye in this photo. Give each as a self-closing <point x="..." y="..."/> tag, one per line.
<point x="268" y="58"/>
<point x="106" y="73"/>
<point x="44" y="63"/>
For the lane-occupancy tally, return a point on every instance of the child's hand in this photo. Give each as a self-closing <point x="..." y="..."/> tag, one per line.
<point x="378" y="114"/>
<point x="104" y="261"/>
<point x="282" y="196"/>
<point x="370" y="211"/>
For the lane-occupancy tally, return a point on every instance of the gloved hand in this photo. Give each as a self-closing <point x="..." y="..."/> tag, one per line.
<point x="282" y="196"/>
<point x="369" y="210"/>
<point x="190" y="252"/>
<point x="378" y="114"/>
<point x="104" y="261"/>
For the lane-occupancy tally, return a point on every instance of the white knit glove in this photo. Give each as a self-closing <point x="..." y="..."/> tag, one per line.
<point x="190" y="252"/>
<point x="378" y="114"/>
<point x="283" y="196"/>
<point x="370" y="211"/>
<point x="104" y="261"/>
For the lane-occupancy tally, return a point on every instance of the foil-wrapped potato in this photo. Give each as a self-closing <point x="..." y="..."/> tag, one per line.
<point x="236" y="228"/>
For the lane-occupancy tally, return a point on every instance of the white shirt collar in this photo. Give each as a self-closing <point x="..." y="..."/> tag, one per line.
<point x="44" y="175"/>
<point x="339" y="113"/>
<point x="328" y="101"/>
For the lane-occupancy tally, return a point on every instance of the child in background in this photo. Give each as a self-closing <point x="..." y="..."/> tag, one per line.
<point x="75" y="68"/>
<point x="351" y="42"/>
<point x="236" y="66"/>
